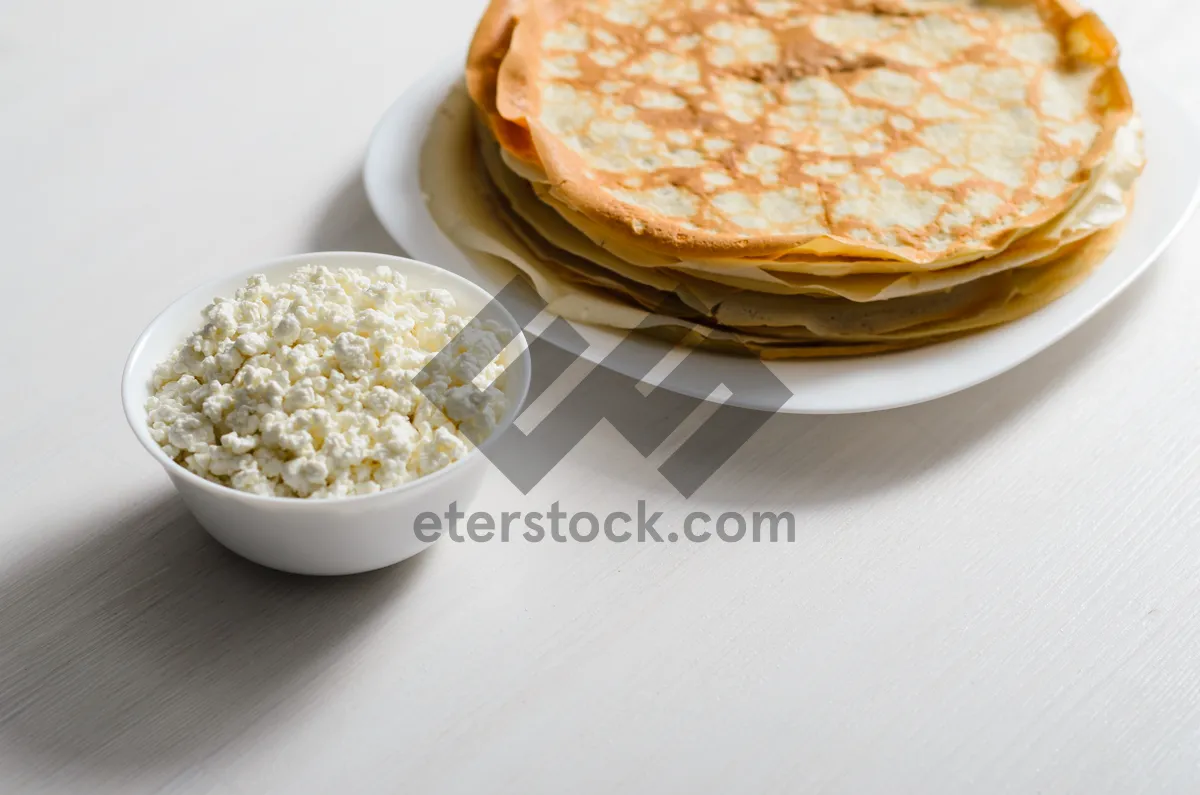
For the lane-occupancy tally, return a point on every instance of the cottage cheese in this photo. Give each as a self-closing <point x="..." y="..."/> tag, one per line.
<point x="309" y="388"/>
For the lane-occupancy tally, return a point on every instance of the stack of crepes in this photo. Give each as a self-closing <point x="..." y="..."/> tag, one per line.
<point x="790" y="178"/>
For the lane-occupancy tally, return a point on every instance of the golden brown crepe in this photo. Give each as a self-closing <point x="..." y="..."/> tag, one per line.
<point x="789" y="178"/>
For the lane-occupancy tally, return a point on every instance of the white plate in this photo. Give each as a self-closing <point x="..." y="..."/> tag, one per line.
<point x="1167" y="196"/>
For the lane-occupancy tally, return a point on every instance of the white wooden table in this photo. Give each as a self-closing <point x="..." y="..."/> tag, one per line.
<point x="996" y="592"/>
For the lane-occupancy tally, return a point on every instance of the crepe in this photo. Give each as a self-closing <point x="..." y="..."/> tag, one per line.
<point x="789" y="178"/>
<point x="482" y="223"/>
<point x="908" y="130"/>
<point x="1099" y="206"/>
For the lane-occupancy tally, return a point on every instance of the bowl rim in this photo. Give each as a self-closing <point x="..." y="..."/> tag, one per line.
<point x="142" y="431"/>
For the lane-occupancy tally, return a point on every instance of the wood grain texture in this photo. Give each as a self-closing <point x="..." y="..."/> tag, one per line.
<point x="997" y="592"/>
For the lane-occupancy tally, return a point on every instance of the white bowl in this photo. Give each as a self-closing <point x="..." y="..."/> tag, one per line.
<point x="321" y="536"/>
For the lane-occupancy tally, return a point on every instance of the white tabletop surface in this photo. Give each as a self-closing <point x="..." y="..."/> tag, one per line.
<point x="996" y="592"/>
